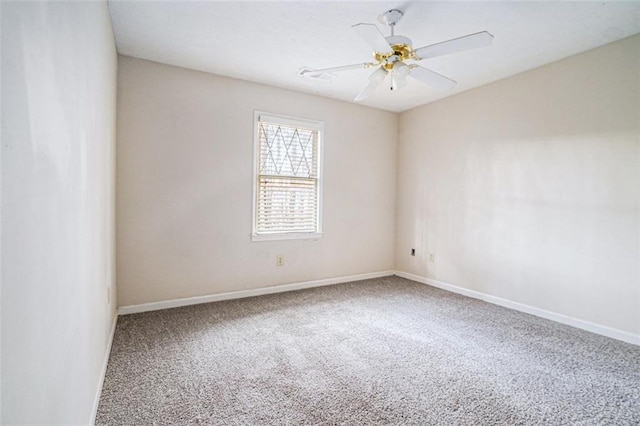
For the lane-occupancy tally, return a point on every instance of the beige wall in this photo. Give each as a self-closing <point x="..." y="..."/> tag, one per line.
<point x="526" y="189"/>
<point x="529" y="188"/>
<point x="58" y="141"/>
<point x="184" y="186"/>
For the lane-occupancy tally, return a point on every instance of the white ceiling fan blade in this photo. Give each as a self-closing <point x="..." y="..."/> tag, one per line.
<point x="367" y="91"/>
<point x="432" y="78"/>
<point x="335" y="69"/>
<point x="373" y="37"/>
<point x="471" y="41"/>
<point x="375" y="79"/>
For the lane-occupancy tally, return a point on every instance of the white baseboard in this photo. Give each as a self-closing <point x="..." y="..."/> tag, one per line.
<point x="553" y="316"/>
<point x="174" y="303"/>
<point x="564" y="319"/>
<point x="103" y="373"/>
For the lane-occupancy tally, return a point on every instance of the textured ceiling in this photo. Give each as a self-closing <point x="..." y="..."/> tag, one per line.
<point x="268" y="42"/>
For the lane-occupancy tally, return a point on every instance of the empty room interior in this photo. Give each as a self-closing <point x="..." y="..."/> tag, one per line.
<point x="289" y="212"/>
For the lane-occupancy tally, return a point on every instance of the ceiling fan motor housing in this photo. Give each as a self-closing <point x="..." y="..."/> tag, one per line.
<point x="402" y="50"/>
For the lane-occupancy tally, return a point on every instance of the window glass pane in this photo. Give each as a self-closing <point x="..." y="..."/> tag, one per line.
<point x="287" y="193"/>
<point x="287" y="151"/>
<point x="287" y="204"/>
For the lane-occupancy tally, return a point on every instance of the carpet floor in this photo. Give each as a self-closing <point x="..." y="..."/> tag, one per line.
<point x="381" y="351"/>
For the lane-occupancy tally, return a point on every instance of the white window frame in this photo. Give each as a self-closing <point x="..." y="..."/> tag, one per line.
<point x="292" y="122"/>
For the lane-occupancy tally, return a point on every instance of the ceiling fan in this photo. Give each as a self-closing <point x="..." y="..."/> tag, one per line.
<point x="392" y="52"/>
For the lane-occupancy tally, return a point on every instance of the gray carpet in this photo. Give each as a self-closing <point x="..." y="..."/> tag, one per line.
<point x="383" y="351"/>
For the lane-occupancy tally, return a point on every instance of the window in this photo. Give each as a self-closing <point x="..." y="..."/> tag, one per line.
<point x="287" y="189"/>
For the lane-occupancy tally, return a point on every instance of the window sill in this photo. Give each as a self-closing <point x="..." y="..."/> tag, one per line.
<point x="287" y="236"/>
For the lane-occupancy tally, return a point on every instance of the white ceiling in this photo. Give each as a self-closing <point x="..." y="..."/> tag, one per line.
<point x="268" y="42"/>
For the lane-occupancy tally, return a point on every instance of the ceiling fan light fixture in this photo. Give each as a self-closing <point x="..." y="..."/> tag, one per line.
<point x="399" y="75"/>
<point x="375" y="79"/>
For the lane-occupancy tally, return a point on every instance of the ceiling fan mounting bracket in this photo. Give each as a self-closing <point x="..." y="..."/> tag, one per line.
<point x="391" y="17"/>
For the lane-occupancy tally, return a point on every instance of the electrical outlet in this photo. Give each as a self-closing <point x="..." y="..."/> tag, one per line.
<point x="280" y="260"/>
<point x="432" y="257"/>
<point x="413" y="252"/>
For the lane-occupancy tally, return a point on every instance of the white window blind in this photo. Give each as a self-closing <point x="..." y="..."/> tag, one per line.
<point x="287" y="192"/>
